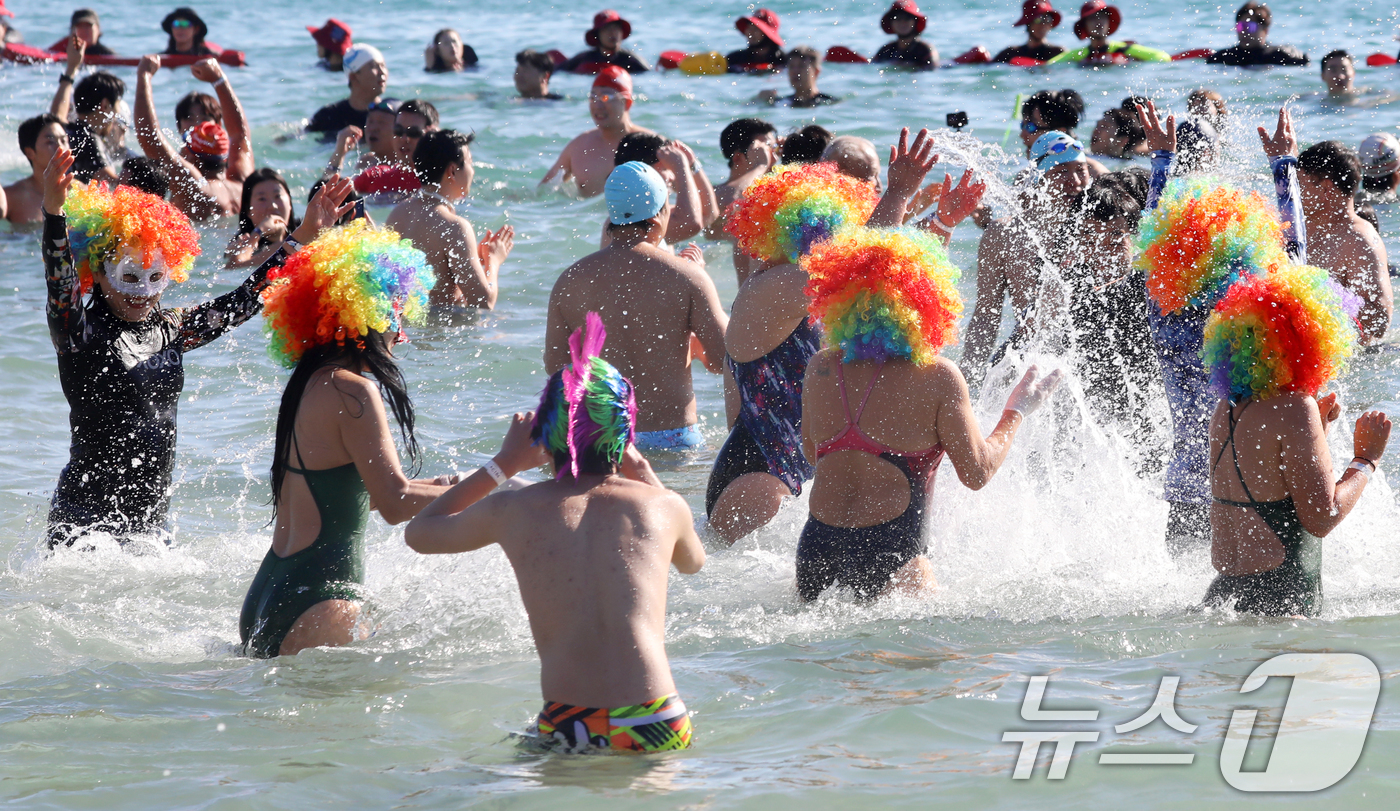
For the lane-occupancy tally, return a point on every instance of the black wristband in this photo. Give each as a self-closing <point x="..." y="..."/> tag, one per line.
<point x="64" y="78"/>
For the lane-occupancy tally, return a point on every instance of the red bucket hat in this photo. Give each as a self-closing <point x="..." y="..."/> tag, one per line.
<point x="334" y="36"/>
<point x="765" y="21"/>
<point x="1089" y="9"/>
<point x="1032" y="10"/>
<point x="601" y="19"/>
<point x="908" y="7"/>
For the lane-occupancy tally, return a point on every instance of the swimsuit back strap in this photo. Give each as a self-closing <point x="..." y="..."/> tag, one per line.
<point x="841" y="381"/>
<point x="1234" y="453"/>
<point x="296" y="446"/>
<point x="869" y="390"/>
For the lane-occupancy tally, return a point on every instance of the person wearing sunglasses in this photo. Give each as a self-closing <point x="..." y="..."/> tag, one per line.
<point x="1252" y="27"/>
<point x="588" y="158"/>
<point x="187" y="32"/>
<point x="415" y="119"/>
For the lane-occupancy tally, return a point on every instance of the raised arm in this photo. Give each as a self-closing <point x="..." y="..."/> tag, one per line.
<point x="1162" y="143"/>
<point x="993" y="252"/>
<point x="63" y="306"/>
<point x="240" y="144"/>
<point x="1282" y="150"/>
<point x="148" y="133"/>
<point x="909" y="165"/>
<point x="687" y="219"/>
<point x="1307" y="464"/>
<point x="63" y="99"/>
<point x="955" y="204"/>
<point x="709" y="204"/>
<point x="976" y="459"/>
<point x="463" y="518"/>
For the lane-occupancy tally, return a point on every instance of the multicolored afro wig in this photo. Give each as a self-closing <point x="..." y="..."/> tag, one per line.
<point x="784" y="213"/>
<point x="352" y="280"/>
<point x="103" y="223"/>
<point x="1203" y="237"/>
<point x="588" y="411"/>
<point x="883" y="294"/>
<point x="1289" y="331"/>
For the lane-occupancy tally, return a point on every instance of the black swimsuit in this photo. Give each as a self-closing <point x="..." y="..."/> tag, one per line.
<point x="1295" y="587"/>
<point x="123" y="381"/>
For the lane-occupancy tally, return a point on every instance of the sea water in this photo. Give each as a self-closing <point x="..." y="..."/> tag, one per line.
<point x="120" y="684"/>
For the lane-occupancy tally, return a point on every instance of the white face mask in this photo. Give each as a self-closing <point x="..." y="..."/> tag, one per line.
<point x="130" y="278"/>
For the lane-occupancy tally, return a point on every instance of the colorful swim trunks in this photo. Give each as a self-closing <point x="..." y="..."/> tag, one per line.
<point x="656" y="726"/>
<point x="686" y="438"/>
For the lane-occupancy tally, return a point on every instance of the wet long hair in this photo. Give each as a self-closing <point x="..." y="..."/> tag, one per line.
<point x="245" y="222"/>
<point x="371" y="353"/>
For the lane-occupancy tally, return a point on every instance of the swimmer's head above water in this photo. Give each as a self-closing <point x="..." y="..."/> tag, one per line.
<point x="884" y="294"/>
<point x="784" y="213"/>
<point x="588" y="412"/>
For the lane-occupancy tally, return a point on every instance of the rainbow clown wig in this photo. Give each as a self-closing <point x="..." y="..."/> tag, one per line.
<point x="1289" y="331"/>
<point x="350" y="281"/>
<point x="103" y="223"/>
<point x="588" y="411"/>
<point x="883" y="294"/>
<point x="1203" y="237"/>
<point x="784" y="213"/>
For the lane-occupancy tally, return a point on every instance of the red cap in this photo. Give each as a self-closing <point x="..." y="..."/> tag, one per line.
<point x="908" y="7"/>
<point x="765" y="21"/>
<point x="601" y="19"/>
<point x="387" y="177"/>
<point x="613" y="77"/>
<point x="1089" y="9"/>
<point x="208" y="139"/>
<point x="1031" y="10"/>
<point x="334" y="36"/>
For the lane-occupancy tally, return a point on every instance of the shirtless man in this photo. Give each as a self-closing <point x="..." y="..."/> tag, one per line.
<point x="203" y="184"/>
<point x="467" y="270"/>
<point x="653" y="303"/>
<point x="591" y="550"/>
<point x="588" y="158"/>
<point x="1009" y="256"/>
<point x="95" y="100"/>
<point x="695" y="208"/>
<point x="377" y="134"/>
<point x="40" y="138"/>
<point x="751" y="147"/>
<point x="856" y="157"/>
<point x="1329" y="174"/>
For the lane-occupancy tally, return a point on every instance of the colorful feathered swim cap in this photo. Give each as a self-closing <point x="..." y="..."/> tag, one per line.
<point x="588" y="406"/>
<point x="352" y="280"/>
<point x="1203" y="237"/>
<point x="105" y="225"/>
<point x="1289" y="331"/>
<point x="883" y="294"/>
<point x="784" y="213"/>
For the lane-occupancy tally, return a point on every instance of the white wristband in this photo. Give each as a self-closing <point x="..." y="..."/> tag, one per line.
<point x="494" y="471"/>
<point x="1361" y="467"/>
<point x="934" y="222"/>
<point x="219" y="81"/>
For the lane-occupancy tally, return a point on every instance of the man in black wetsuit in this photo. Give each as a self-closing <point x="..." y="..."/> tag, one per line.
<point x="803" y="68"/>
<point x="906" y="22"/>
<point x="368" y="76"/>
<point x="1039" y="18"/>
<point x="85" y="24"/>
<point x="765" y="51"/>
<point x="1252" y="27"/>
<point x="605" y="37"/>
<point x="121" y="366"/>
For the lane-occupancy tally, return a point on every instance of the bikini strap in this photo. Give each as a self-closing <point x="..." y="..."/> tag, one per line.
<point x="297" y="447"/>
<point x="868" y="391"/>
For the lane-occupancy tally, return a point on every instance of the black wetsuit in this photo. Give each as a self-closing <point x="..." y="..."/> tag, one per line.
<point x="333" y="118"/>
<point x="122" y="381"/>
<point x="594" y="60"/>
<point x="1295" y="587"/>
<point x="918" y="55"/>
<point x="1242" y="56"/>
<point x="764" y="57"/>
<point x="89" y="156"/>
<point x="1043" y="53"/>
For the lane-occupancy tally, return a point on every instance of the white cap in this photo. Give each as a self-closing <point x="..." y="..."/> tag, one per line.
<point x="360" y="56"/>
<point x="1379" y="155"/>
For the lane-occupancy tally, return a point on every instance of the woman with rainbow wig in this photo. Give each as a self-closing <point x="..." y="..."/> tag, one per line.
<point x="120" y="353"/>
<point x="591" y="550"/>
<point x="333" y="313"/>
<point x="1271" y="344"/>
<point x="1199" y="236"/>
<point x="887" y="304"/>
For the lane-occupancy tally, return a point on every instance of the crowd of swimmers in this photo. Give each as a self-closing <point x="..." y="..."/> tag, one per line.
<point x="1157" y="284"/>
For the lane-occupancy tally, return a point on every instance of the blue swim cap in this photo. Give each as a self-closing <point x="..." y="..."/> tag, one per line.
<point x="1054" y="148"/>
<point x="635" y="192"/>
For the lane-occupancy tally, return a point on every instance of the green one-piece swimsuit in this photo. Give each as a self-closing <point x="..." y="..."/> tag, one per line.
<point x="331" y="568"/>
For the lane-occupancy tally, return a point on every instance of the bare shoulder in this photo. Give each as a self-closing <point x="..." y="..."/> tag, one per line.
<point x="945" y="377"/>
<point x="1370" y="236"/>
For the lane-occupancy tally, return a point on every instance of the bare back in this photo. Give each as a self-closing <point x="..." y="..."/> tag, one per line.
<point x="1354" y="254"/>
<point x="437" y="230"/>
<point x="651" y="302"/>
<point x="592" y="564"/>
<point x="207" y="198"/>
<point x="588" y="159"/>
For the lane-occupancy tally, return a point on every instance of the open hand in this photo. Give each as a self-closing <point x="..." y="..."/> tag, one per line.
<point x="910" y="163"/>
<point x="325" y="209"/>
<point x="1033" y="390"/>
<point x="494" y="247"/>
<point x="1159" y="138"/>
<point x="956" y="203"/>
<point x="694" y="253"/>
<point x="77" y="49"/>
<point x="58" y="177"/>
<point x="1284" y="142"/>
<point x="207" y="70"/>
<point x="1372" y="434"/>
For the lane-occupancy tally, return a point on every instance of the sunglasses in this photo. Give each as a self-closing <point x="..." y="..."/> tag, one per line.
<point x="181" y="24"/>
<point x="1029" y="127"/>
<point x="1248" y="27"/>
<point x="408" y="132"/>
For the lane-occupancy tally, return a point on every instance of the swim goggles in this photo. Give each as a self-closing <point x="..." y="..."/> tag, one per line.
<point x="1029" y="127"/>
<point x="131" y="279"/>
<point x="1248" y="27"/>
